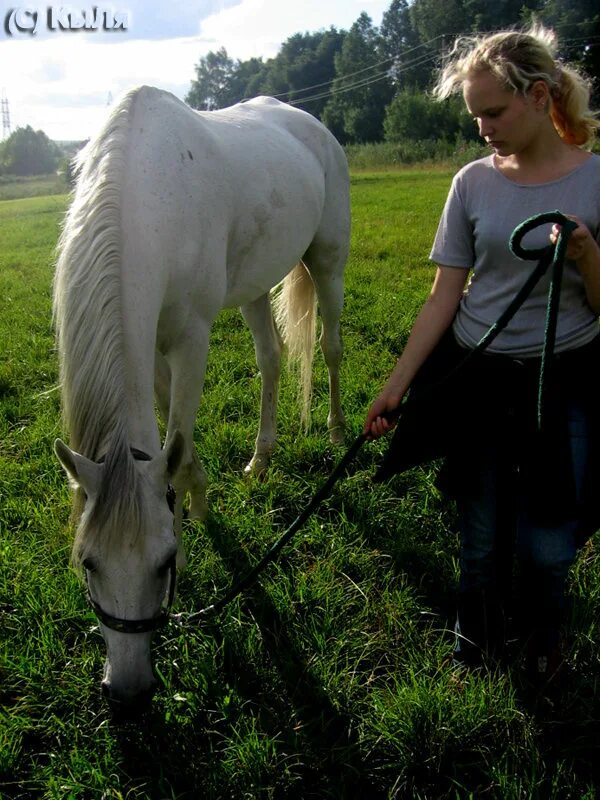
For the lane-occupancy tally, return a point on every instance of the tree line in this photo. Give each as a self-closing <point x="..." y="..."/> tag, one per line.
<point x="28" y="152"/>
<point x="369" y="83"/>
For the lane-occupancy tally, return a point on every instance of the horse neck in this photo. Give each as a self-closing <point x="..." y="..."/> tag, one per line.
<point x="107" y="387"/>
<point x="99" y="400"/>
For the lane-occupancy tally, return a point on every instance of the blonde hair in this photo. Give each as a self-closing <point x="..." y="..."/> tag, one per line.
<point x="518" y="59"/>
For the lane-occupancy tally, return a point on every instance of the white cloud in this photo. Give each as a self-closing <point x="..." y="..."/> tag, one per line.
<point x="258" y="27"/>
<point x="62" y="83"/>
<point x="62" y="86"/>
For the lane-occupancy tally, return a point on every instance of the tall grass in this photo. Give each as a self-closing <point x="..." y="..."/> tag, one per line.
<point x="330" y="678"/>
<point x="419" y="154"/>
<point x="14" y="188"/>
<point x="424" y="154"/>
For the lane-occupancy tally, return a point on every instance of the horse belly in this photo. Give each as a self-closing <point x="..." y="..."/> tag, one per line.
<point x="269" y="237"/>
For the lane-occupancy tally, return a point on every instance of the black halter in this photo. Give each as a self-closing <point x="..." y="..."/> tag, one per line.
<point x="151" y="623"/>
<point x="139" y="625"/>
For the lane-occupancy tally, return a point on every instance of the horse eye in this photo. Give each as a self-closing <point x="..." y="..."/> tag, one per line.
<point x="88" y="565"/>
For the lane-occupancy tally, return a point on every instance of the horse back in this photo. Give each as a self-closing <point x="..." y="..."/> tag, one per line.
<point x="231" y="199"/>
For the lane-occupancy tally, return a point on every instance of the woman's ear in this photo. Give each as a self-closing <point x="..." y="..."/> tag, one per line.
<point x="539" y="93"/>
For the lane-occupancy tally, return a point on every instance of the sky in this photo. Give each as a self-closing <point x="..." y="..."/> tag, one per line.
<point x="62" y="81"/>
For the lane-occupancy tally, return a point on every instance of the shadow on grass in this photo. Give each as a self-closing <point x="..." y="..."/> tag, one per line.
<point x="322" y="755"/>
<point x="318" y="752"/>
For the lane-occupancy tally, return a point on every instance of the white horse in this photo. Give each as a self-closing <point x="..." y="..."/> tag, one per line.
<point x="176" y="215"/>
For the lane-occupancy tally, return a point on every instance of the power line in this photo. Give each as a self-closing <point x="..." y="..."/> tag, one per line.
<point x="367" y="81"/>
<point x="420" y="61"/>
<point x="393" y="59"/>
<point x="364" y="69"/>
<point x="379" y="76"/>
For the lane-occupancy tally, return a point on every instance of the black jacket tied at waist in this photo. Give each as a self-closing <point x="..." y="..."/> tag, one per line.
<point x="493" y="401"/>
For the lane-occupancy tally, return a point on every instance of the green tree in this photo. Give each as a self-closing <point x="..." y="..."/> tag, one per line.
<point x="437" y="22"/>
<point x="220" y="81"/>
<point x="256" y="81"/>
<point x="314" y="70"/>
<point x="415" y="115"/>
<point x="303" y="68"/>
<point x="244" y="73"/>
<point x="577" y="23"/>
<point x="348" y="78"/>
<point x="362" y="87"/>
<point x="28" y="152"/>
<point x="305" y="60"/>
<point x="400" y="43"/>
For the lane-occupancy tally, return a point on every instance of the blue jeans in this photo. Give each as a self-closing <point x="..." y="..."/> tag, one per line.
<point x="497" y="528"/>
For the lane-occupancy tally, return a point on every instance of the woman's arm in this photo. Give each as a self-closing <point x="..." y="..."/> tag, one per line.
<point x="433" y="320"/>
<point x="584" y="251"/>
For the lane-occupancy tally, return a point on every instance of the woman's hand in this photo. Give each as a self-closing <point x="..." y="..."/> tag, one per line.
<point x="380" y="418"/>
<point x="581" y="243"/>
<point x="583" y="249"/>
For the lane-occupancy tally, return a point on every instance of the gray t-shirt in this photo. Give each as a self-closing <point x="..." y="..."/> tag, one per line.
<point x="481" y="212"/>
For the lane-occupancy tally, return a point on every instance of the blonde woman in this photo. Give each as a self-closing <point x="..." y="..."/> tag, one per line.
<point x="514" y="494"/>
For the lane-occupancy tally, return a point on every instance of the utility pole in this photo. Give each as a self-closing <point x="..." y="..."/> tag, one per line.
<point x="5" y="116"/>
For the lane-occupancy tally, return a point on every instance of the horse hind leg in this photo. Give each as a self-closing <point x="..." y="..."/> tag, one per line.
<point x="326" y="267"/>
<point x="268" y="347"/>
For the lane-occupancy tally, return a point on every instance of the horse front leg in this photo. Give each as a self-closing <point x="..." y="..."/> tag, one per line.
<point x="187" y="365"/>
<point x="197" y="479"/>
<point x="162" y="385"/>
<point x="268" y="347"/>
<point x="193" y="479"/>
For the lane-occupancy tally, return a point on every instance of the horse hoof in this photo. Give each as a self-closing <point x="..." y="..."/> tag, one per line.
<point x="336" y="434"/>
<point x="198" y="509"/>
<point x="257" y="468"/>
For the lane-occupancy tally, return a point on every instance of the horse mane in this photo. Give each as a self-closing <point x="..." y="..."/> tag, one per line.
<point x="87" y="306"/>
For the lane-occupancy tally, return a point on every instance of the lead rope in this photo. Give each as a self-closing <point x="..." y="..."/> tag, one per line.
<point x="251" y="576"/>
<point x="551" y="255"/>
<point x="548" y="256"/>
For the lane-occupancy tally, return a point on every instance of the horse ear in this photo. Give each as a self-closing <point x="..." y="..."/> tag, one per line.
<point x="174" y="450"/>
<point x="81" y="471"/>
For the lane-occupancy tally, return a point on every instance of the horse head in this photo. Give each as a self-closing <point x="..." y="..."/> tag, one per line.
<point x="126" y="548"/>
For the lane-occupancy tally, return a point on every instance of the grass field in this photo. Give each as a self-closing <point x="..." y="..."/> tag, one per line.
<point x="331" y="677"/>
<point x="13" y="188"/>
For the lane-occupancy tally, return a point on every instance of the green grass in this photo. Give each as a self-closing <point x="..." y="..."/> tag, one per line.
<point x="13" y="187"/>
<point x="329" y="678"/>
<point x="425" y="154"/>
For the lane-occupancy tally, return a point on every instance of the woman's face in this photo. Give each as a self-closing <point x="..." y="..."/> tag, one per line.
<point x="509" y="122"/>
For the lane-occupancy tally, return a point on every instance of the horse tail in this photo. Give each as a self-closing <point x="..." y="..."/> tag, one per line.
<point x="296" y="316"/>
